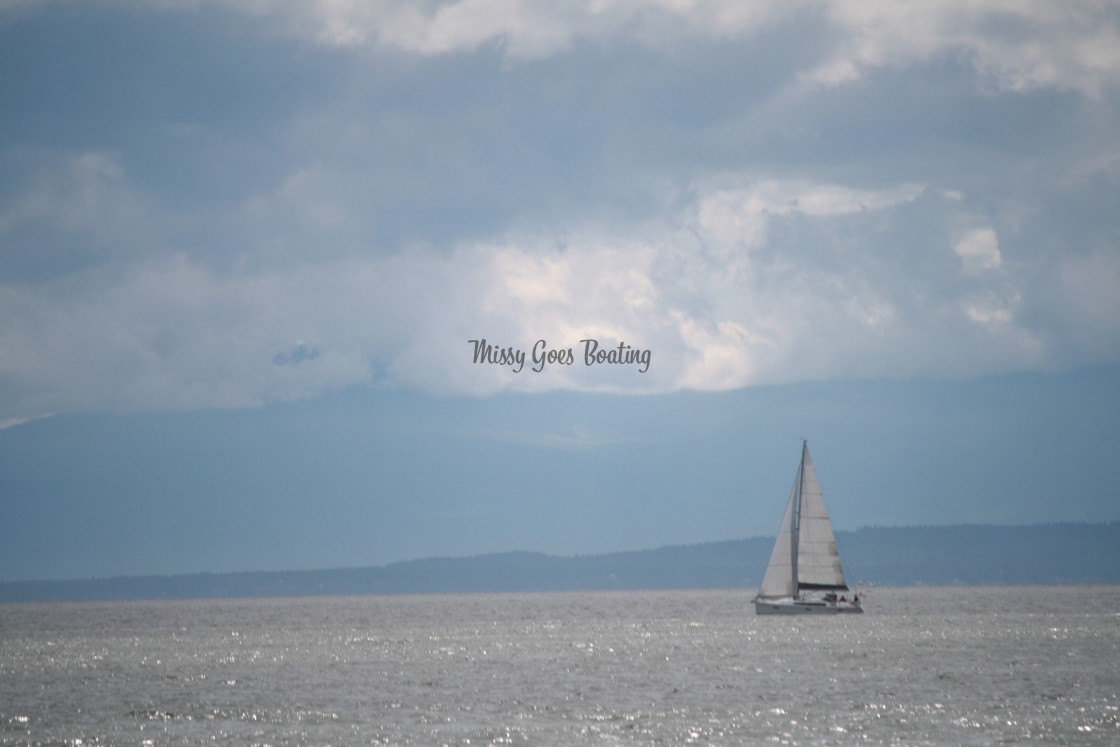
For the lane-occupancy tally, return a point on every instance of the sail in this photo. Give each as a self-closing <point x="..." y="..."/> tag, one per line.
<point x="818" y="562"/>
<point x="804" y="554"/>
<point x="778" y="581"/>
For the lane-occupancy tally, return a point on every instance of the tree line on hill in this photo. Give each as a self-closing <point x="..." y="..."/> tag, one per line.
<point x="887" y="556"/>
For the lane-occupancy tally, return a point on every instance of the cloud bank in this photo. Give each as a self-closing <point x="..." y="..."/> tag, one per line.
<point x="909" y="191"/>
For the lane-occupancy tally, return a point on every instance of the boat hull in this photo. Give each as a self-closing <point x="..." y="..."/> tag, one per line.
<point x="804" y="607"/>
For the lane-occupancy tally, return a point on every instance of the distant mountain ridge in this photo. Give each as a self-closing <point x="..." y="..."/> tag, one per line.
<point x="894" y="556"/>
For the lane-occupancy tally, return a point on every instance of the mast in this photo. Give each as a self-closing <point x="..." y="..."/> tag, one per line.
<point x="795" y="525"/>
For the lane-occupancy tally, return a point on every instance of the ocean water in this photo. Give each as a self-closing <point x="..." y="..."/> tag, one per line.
<point x="922" y="666"/>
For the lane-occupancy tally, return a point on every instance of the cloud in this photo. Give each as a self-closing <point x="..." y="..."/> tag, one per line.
<point x="524" y="29"/>
<point x="1086" y="298"/>
<point x="1017" y="45"/>
<point x="681" y="177"/>
<point x="740" y="215"/>
<point x="13" y="422"/>
<point x="979" y="250"/>
<point x="299" y="354"/>
<point x="738" y="286"/>
<point x="88" y="205"/>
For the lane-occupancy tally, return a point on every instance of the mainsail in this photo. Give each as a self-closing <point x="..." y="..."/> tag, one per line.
<point x="804" y="555"/>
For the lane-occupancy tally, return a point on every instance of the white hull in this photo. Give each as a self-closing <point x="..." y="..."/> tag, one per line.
<point x="804" y="607"/>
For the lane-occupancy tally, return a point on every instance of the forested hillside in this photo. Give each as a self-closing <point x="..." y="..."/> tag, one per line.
<point x="895" y="556"/>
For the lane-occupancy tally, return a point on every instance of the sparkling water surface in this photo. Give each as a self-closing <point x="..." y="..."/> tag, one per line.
<point x="969" y="665"/>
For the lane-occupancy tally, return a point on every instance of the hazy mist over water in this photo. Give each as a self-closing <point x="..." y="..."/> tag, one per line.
<point x="976" y="665"/>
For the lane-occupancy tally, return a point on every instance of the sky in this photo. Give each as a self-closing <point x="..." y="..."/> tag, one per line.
<point x="245" y="247"/>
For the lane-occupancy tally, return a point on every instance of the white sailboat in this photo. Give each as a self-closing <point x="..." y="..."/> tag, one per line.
<point x="805" y="575"/>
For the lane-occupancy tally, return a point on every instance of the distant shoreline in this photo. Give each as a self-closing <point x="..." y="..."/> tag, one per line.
<point x="961" y="555"/>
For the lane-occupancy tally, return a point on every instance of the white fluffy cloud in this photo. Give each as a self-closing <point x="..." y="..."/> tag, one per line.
<point x="979" y="250"/>
<point x="706" y="290"/>
<point x="1018" y="45"/>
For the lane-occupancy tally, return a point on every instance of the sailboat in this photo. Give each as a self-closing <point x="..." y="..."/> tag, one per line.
<point x="805" y="575"/>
